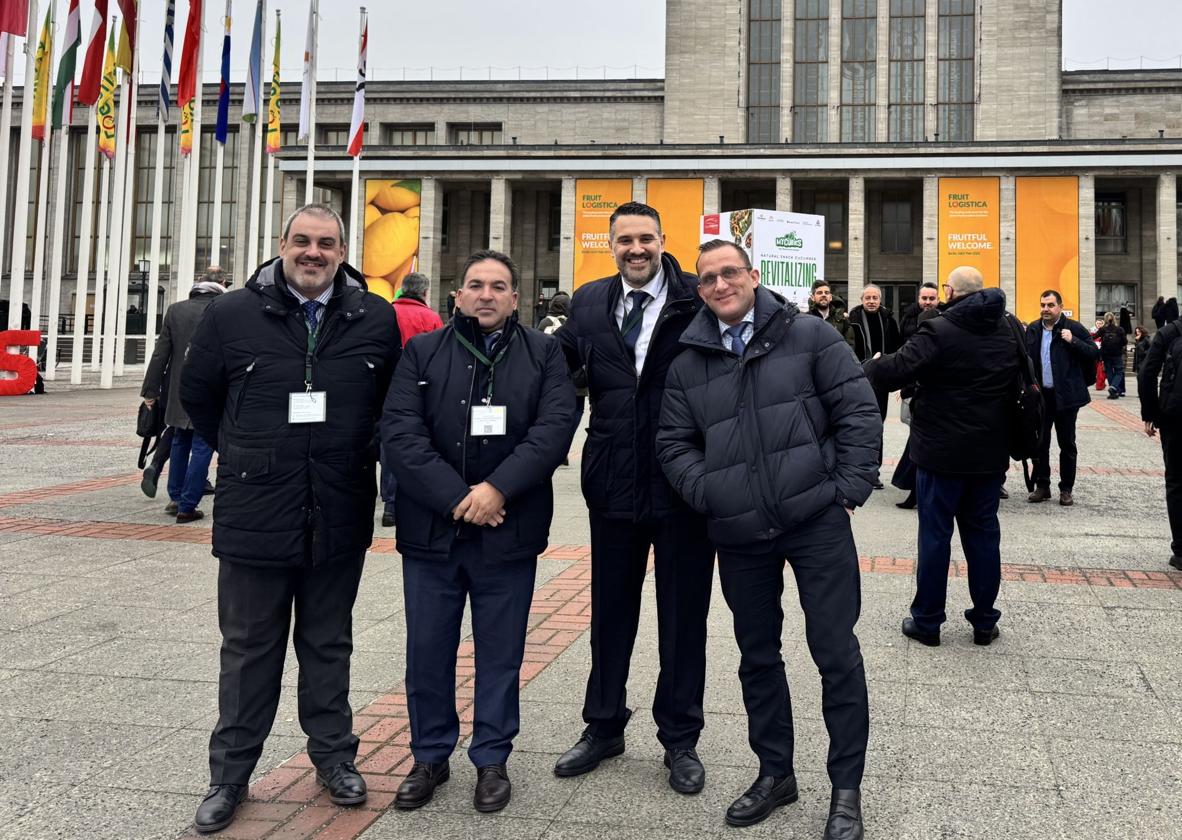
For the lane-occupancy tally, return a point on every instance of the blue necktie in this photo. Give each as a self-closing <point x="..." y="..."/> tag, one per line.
<point x="311" y="313"/>
<point x="490" y="341"/>
<point x="736" y="334"/>
<point x="630" y="328"/>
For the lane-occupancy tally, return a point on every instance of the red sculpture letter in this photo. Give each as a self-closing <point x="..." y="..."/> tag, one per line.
<point x="24" y="367"/>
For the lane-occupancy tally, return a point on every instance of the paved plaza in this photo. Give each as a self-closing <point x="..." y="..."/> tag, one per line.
<point x="1069" y="726"/>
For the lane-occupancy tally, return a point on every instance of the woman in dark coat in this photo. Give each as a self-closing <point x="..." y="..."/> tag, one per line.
<point x="1140" y="347"/>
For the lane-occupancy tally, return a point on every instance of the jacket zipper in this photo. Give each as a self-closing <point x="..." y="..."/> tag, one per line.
<point x="243" y="389"/>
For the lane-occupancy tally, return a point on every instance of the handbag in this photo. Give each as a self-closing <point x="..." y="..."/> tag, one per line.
<point x="905" y="411"/>
<point x="1026" y="409"/>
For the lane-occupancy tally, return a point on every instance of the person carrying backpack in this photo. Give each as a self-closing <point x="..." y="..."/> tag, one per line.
<point x="556" y="314"/>
<point x="1113" y="341"/>
<point x="1161" y="409"/>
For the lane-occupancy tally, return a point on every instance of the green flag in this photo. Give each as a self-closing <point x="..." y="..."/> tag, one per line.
<point x="63" y="90"/>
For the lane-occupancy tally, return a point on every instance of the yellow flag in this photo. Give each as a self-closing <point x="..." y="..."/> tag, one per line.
<point x="273" y="99"/>
<point x="41" y="79"/>
<point x="104" y="108"/>
<point x="187" y="128"/>
<point x="123" y="57"/>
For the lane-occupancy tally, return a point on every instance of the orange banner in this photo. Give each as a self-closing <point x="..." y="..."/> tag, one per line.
<point x="390" y="246"/>
<point x="1047" y="244"/>
<point x="681" y="202"/>
<point x="970" y="227"/>
<point x="595" y="200"/>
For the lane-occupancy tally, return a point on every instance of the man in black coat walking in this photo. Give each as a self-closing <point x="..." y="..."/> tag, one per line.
<point x="964" y="366"/>
<point x="621" y="336"/>
<point x="480" y="415"/>
<point x="288" y="378"/>
<point x="770" y="429"/>
<point x="1161" y="411"/>
<point x="1064" y="355"/>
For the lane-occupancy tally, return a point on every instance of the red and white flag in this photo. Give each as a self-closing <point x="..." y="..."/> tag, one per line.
<point x="96" y="49"/>
<point x="14" y="17"/>
<point x="357" y="128"/>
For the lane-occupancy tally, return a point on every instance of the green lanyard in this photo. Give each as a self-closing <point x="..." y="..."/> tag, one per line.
<point x="491" y="364"/>
<point x="313" y="334"/>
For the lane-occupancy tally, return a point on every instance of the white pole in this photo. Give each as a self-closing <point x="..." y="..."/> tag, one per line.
<point x="356" y="219"/>
<point x="187" y="269"/>
<point x="256" y="160"/>
<point x="58" y="241"/>
<point x="215" y="245"/>
<point x="130" y="195"/>
<point x="5" y="134"/>
<point x="100" y="267"/>
<point x="268" y="212"/>
<point x="113" y="311"/>
<point x="39" y="231"/>
<point x="308" y="185"/>
<point x="157" y="221"/>
<point x="20" y="221"/>
<point x="182" y="240"/>
<point x="84" y="253"/>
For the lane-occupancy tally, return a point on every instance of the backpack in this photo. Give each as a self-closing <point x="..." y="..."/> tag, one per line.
<point x="1170" y="395"/>
<point x="1112" y="342"/>
<point x="551" y="323"/>
<point x="1027" y="410"/>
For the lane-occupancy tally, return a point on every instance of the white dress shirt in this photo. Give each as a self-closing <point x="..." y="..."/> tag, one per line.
<point x="656" y="289"/>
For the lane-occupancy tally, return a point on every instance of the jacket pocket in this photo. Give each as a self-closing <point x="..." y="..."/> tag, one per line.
<point x="248" y="464"/>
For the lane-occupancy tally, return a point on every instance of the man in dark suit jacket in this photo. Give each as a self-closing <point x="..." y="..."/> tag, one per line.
<point x="621" y="335"/>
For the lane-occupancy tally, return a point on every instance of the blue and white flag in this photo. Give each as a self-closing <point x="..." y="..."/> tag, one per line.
<point x="165" y="100"/>
<point x="252" y="98"/>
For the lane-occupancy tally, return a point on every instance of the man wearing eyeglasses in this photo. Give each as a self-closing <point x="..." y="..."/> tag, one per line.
<point x="771" y="430"/>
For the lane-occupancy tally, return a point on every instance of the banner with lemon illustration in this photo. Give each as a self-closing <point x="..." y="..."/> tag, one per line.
<point x="391" y="243"/>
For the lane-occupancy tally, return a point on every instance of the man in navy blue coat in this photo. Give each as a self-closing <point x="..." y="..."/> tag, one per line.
<point x="479" y="416"/>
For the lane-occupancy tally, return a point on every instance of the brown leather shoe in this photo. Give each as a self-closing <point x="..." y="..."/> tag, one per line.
<point x="1066" y="499"/>
<point x="190" y="516"/>
<point x="1040" y="494"/>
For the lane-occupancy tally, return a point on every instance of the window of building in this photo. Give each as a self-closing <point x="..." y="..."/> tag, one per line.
<point x="333" y="135"/>
<point x="445" y="221"/>
<point x="810" y="75"/>
<point x="905" y="110"/>
<point x="763" y="78"/>
<point x="859" y="48"/>
<point x="554" y="232"/>
<point x="896" y="225"/>
<point x="954" y="79"/>
<point x="408" y="134"/>
<point x="205" y="189"/>
<point x="145" y="185"/>
<point x="831" y="204"/>
<point x="475" y="134"/>
<point x="1111" y="230"/>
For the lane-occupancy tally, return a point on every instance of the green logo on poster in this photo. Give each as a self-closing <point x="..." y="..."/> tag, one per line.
<point x="791" y="241"/>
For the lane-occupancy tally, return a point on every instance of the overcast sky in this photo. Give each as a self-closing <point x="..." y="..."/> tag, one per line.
<point x="619" y="38"/>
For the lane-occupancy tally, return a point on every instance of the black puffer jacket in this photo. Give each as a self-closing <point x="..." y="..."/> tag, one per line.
<point x="767" y="442"/>
<point x="965" y="369"/>
<point x="426" y="435"/>
<point x="621" y="476"/>
<point x="291" y="494"/>
<point x="1068" y="361"/>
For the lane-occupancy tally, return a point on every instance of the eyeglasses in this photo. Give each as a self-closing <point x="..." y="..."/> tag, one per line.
<point x="730" y="274"/>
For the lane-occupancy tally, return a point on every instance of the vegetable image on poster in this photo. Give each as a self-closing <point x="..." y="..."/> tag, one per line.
<point x="391" y="244"/>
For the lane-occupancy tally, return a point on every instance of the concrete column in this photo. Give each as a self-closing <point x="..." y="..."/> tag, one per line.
<point x="500" y="215"/>
<point x="566" y="242"/>
<point x="882" y="78"/>
<point x="431" y="237"/>
<point x="1087" y="250"/>
<point x="931" y="46"/>
<point x="711" y="194"/>
<point x="834" y="71"/>
<point x="787" y="68"/>
<point x="1167" y="235"/>
<point x="856" y="238"/>
<point x="1009" y="247"/>
<point x="784" y="193"/>
<point x="931" y="230"/>
<point x="640" y="189"/>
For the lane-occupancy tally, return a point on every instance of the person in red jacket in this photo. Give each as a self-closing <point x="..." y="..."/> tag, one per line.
<point x="414" y="317"/>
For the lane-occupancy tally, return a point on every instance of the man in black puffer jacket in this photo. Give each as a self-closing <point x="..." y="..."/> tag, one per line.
<point x="621" y="336"/>
<point x="480" y="415"/>
<point x="287" y="376"/>
<point x="770" y="429"/>
<point x="965" y="369"/>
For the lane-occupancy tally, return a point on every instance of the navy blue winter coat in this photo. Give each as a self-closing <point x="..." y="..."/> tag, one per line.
<point x="1069" y="360"/>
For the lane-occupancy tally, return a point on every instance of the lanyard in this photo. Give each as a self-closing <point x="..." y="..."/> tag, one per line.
<point x="491" y="364"/>
<point x="313" y="335"/>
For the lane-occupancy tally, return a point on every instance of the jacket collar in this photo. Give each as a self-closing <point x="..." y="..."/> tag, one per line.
<point x="269" y="282"/>
<point x="469" y="328"/>
<point x="703" y="333"/>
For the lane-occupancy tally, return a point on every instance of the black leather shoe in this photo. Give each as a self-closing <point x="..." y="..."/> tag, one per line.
<point x="908" y="503"/>
<point x="586" y="754"/>
<point x="148" y="482"/>
<point x="911" y="631"/>
<point x="1003" y="493"/>
<point x="217" y="809"/>
<point x="1039" y="494"/>
<point x="419" y="785"/>
<point x="207" y="490"/>
<point x="845" y="815"/>
<point x="878" y="485"/>
<point x="686" y="773"/>
<point x="493" y="788"/>
<point x="761" y="799"/>
<point x="985" y="637"/>
<point x="1176" y="562"/>
<point x="388" y="519"/>
<point x="344" y="783"/>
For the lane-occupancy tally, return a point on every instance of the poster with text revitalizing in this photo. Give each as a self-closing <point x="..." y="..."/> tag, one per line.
<point x="787" y="248"/>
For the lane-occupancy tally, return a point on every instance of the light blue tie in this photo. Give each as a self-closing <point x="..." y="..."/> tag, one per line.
<point x="736" y="334"/>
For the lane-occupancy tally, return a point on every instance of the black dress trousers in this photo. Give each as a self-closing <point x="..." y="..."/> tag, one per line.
<point x="255" y="614"/>
<point x="684" y="570"/>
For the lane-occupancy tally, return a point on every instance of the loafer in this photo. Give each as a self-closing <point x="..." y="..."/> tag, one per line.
<point x="207" y="490"/>
<point x="845" y="815"/>
<point x="767" y="794"/>
<point x="148" y="482"/>
<point x="217" y="809"/>
<point x="419" y="785"/>
<point x="586" y="754"/>
<point x="908" y="503"/>
<point x="189" y="516"/>
<point x="686" y="773"/>
<point x="924" y="637"/>
<point x="1176" y="562"/>
<point x="985" y="637"/>
<point x="1066" y="499"/>
<point x="345" y="785"/>
<point x="170" y="508"/>
<point x="1039" y="494"/>
<point x="493" y="788"/>
<point x="388" y="519"/>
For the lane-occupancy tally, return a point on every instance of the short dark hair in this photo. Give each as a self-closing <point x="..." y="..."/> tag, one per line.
<point x="1058" y="297"/>
<point x="928" y="284"/>
<point x="715" y="244"/>
<point x="635" y="208"/>
<point x="322" y="210"/>
<point x="820" y="284"/>
<point x="489" y="254"/>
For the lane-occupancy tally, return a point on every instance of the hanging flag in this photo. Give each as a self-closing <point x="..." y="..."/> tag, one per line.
<point x="222" y="130"/>
<point x="273" y="140"/>
<point x="92" y="69"/>
<point x="357" y="129"/>
<point x="309" y="77"/>
<point x="63" y="91"/>
<point x="165" y="99"/>
<point x="252" y="93"/>
<point x="41" y="77"/>
<point x="104" y="109"/>
<point x="14" y="17"/>
<point x="187" y="81"/>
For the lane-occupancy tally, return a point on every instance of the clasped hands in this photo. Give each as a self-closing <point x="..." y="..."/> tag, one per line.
<point x="484" y="505"/>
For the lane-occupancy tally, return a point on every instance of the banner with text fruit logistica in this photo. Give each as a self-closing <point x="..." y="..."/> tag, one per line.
<point x="595" y="201"/>
<point x="970" y="227"/>
<point x="787" y="248"/>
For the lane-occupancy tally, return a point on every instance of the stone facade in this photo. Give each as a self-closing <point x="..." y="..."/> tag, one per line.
<point x="1122" y="104"/>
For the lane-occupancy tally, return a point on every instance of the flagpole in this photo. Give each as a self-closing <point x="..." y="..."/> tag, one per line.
<point x="5" y="135"/>
<point x="215" y="247"/>
<point x="269" y="212"/>
<point x="115" y="256"/>
<point x="100" y="266"/>
<point x="358" y="95"/>
<point x="188" y="266"/>
<point x="58" y="241"/>
<point x="311" y="167"/>
<point x="129" y="195"/>
<point x="20" y="221"/>
<point x="78" y="347"/>
<point x="44" y="173"/>
<point x="157" y="221"/>
<point x="256" y="161"/>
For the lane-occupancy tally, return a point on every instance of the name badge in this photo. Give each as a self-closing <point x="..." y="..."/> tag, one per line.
<point x="488" y="420"/>
<point x="307" y="407"/>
